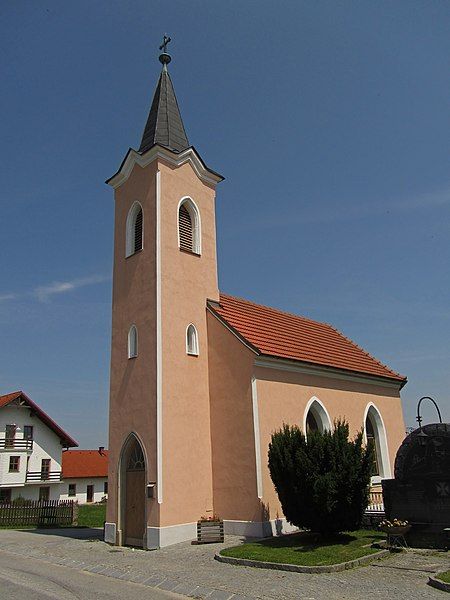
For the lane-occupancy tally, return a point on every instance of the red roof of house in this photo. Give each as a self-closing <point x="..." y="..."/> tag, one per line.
<point x="276" y="333"/>
<point x="84" y="463"/>
<point x="66" y="439"/>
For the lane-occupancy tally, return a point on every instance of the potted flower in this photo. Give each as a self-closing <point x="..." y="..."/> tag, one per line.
<point x="395" y="527"/>
<point x="210" y="529"/>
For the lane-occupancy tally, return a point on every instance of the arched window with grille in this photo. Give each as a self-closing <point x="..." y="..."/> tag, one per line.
<point x="132" y="342"/>
<point x="135" y="230"/>
<point x="189" y="238"/>
<point x="191" y="340"/>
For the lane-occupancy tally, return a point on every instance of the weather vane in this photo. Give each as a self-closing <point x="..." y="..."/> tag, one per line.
<point x="166" y="40"/>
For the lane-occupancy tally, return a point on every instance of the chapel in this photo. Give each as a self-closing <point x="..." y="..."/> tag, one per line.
<point x="201" y="379"/>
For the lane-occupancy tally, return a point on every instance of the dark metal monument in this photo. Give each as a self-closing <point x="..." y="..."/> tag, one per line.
<point x="420" y="492"/>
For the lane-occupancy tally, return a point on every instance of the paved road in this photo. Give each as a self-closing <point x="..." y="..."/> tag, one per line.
<point x="191" y="570"/>
<point x="24" y="577"/>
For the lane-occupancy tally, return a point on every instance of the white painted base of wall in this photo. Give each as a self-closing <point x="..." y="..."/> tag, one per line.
<point x="110" y="533"/>
<point x="159" y="537"/>
<point x="258" y="529"/>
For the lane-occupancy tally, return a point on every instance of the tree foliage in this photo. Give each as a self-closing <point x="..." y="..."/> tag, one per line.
<point x="323" y="481"/>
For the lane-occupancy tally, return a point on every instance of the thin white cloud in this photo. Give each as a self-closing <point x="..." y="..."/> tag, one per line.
<point x="4" y="297"/>
<point x="44" y="292"/>
<point x="340" y="211"/>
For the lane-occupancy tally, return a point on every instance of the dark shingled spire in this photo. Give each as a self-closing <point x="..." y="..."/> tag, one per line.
<point x="164" y="124"/>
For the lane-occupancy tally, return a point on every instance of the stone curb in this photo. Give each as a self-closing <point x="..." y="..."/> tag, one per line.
<point x="438" y="584"/>
<point x="259" y="564"/>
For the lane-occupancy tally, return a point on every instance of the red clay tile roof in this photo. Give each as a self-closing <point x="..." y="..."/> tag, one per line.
<point x="84" y="463"/>
<point x="272" y="332"/>
<point x="66" y="439"/>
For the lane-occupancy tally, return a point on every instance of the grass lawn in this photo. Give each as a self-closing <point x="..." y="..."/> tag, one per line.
<point x="444" y="577"/>
<point x="91" y="515"/>
<point x="308" y="549"/>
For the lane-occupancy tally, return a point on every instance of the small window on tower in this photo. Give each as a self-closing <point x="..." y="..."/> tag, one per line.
<point x="189" y="227"/>
<point x="191" y="340"/>
<point x="135" y="230"/>
<point x="132" y="342"/>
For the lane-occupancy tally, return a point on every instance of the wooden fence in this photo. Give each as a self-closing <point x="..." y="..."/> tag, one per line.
<point x="38" y="513"/>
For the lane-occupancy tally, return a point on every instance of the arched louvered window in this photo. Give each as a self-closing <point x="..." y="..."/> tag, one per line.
<point x="132" y="342"/>
<point x="189" y="226"/>
<point x="135" y="229"/>
<point x="191" y="340"/>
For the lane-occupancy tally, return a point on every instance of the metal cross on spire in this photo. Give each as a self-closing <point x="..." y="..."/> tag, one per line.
<point x="165" y="58"/>
<point x="166" y="40"/>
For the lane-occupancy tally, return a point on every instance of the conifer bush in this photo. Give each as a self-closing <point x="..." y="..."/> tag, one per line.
<point x="323" y="481"/>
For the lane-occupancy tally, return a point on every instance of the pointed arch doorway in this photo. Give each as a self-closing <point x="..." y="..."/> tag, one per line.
<point x="133" y="493"/>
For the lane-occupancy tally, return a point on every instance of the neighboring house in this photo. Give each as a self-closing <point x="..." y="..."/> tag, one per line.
<point x="31" y="445"/>
<point x="199" y="379"/>
<point x="85" y="474"/>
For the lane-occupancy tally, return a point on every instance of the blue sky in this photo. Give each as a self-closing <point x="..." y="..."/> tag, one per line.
<point x="329" y="121"/>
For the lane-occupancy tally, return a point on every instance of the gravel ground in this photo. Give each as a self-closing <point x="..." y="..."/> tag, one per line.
<point x="190" y="570"/>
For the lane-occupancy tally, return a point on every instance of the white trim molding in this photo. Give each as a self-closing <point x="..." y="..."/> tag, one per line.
<point x="296" y="367"/>
<point x="159" y="461"/>
<point x="320" y="413"/>
<point x="110" y="533"/>
<point x="258" y="529"/>
<point x="172" y="158"/>
<point x="381" y="443"/>
<point x="259" y="481"/>
<point x="160" y="537"/>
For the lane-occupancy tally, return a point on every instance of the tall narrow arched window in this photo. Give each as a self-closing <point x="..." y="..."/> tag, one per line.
<point x="375" y="435"/>
<point x="135" y="230"/>
<point x="132" y="342"/>
<point x="189" y="237"/>
<point x="316" y="417"/>
<point x="372" y="443"/>
<point x="191" y="340"/>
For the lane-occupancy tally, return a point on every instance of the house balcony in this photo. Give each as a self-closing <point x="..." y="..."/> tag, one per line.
<point x="44" y="476"/>
<point x="16" y="444"/>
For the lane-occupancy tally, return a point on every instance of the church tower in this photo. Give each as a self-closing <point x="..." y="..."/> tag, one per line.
<point x="165" y="270"/>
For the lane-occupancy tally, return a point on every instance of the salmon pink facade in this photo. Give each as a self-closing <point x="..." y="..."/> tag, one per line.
<point x="200" y="380"/>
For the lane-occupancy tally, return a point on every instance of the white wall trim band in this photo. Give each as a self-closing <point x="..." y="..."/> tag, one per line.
<point x="110" y="533"/>
<point x="284" y="365"/>
<point x="258" y="529"/>
<point x="132" y="158"/>
<point x="159" y="537"/>
<point x="159" y="477"/>
<point x="259" y="485"/>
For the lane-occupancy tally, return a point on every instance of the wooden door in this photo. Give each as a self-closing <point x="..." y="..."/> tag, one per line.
<point x="90" y="493"/>
<point x="135" y="495"/>
<point x="135" y="507"/>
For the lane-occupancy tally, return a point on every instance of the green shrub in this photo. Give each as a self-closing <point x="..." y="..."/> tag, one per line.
<point x="21" y="501"/>
<point x="322" y="482"/>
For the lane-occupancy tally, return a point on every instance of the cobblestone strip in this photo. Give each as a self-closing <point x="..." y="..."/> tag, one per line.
<point x="154" y="580"/>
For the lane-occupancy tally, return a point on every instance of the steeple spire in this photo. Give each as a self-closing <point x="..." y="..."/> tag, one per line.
<point x="164" y="124"/>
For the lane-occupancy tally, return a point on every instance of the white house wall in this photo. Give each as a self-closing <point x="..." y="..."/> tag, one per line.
<point x="46" y="445"/>
<point x="31" y="492"/>
<point x="81" y="488"/>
